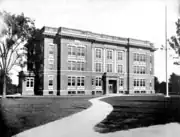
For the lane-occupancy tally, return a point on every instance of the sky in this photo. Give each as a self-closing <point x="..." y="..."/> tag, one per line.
<point x="140" y="19"/>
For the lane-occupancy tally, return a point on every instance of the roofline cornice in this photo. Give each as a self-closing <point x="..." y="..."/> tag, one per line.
<point x="87" y="35"/>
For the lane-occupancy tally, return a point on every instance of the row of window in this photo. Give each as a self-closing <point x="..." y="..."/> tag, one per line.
<point x="139" y="82"/>
<point x="98" y="54"/>
<point x="76" y="92"/>
<point x="139" y="69"/>
<point x="139" y="57"/>
<point x="75" y="81"/>
<point x="79" y="81"/>
<point x="140" y="91"/>
<point x="73" y="65"/>
<point x="109" y="67"/>
<point x="97" y="81"/>
<point x="73" y="51"/>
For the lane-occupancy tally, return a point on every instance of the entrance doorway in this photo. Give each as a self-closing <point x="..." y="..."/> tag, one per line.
<point x="112" y="86"/>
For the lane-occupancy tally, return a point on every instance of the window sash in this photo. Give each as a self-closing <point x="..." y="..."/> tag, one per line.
<point x="98" y="67"/>
<point x="121" y="82"/>
<point x="109" y="54"/>
<point x="71" y="50"/>
<point x="98" y="53"/>
<point x="109" y="67"/>
<point x="50" y="80"/>
<point x="120" y="69"/>
<point x="98" y="81"/>
<point x="120" y="56"/>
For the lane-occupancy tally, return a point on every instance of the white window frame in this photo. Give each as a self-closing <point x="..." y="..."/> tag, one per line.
<point x="121" y="55"/>
<point x="97" y="67"/>
<point x="29" y="81"/>
<point x="121" y="82"/>
<point x="97" y="55"/>
<point x="71" y="50"/>
<point x="109" y="56"/>
<point x="50" y="77"/>
<point x="107" y="68"/>
<point x="80" y="66"/>
<point x="98" y="82"/>
<point x="81" y="52"/>
<point x="51" y="48"/>
<point x="80" y="81"/>
<point x="121" y="68"/>
<point x="70" y="65"/>
<point x="50" y="63"/>
<point x="72" y="78"/>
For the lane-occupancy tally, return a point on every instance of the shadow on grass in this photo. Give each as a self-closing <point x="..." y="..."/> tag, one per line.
<point x="139" y="112"/>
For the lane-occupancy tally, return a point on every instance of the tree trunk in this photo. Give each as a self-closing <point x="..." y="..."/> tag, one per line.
<point x="4" y="86"/>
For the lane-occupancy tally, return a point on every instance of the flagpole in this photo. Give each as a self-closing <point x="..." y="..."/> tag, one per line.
<point x="166" y="54"/>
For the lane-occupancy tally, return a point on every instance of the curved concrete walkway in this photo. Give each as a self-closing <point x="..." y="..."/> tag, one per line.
<point x="82" y="125"/>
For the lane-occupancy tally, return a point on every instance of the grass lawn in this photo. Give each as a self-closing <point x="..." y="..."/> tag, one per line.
<point x="139" y="111"/>
<point x="19" y="114"/>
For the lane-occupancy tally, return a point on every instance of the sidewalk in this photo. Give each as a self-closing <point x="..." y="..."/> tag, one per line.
<point x="82" y="125"/>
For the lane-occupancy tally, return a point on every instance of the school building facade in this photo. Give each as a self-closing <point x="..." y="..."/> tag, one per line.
<point x="77" y="62"/>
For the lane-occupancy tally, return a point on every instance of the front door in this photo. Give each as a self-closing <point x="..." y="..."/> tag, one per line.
<point x="110" y="88"/>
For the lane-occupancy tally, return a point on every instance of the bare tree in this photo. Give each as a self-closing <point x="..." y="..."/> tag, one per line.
<point x="15" y="31"/>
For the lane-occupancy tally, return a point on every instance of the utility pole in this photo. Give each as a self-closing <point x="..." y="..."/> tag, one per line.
<point x="166" y="53"/>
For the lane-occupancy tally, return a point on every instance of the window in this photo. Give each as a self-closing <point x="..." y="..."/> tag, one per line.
<point x="71" y="50"/>
<point x="144" y="83"/>
<point x="93" y="81"/>
<point x="80" y="81"/>
<point x="137" y="71"/>
<point x="98" y="53"/>
<point x="135" y="68"/>
<point x="109" y="54"/>
<point x="98" y="67"/>
<point x="81" y="92"/>
<point x="50" y="79"/>
<point x="138" y="57"/>
<point x="71" y="81"/>
<point x="80" y="66"/>
<point x="81" y="51"/>
<point x="120" y="69"/>
<point x="143" y="70"/>
<point x="109" y="67"/>
<point x="144" y="58"/>
<point x="51" y="51"/>
<point x="141" y="82"/>
<point x="71" y="65"/>
<point x="50" y="92"/>
<point x="30" y="82"/>
<point x="71" y="92"/>
<point x="135" y="82"/>
<point x="98" y="81"/>
<point x="51" y="63"/>
<point x="120" y="56"/>
<point x="150" y="83"/>
<point x="135" y="56"/>
<point x="151" y="59"/>
<point x="121" y="82"/>
<point x="143" y="91"/>
<point x="151" y="71"/>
